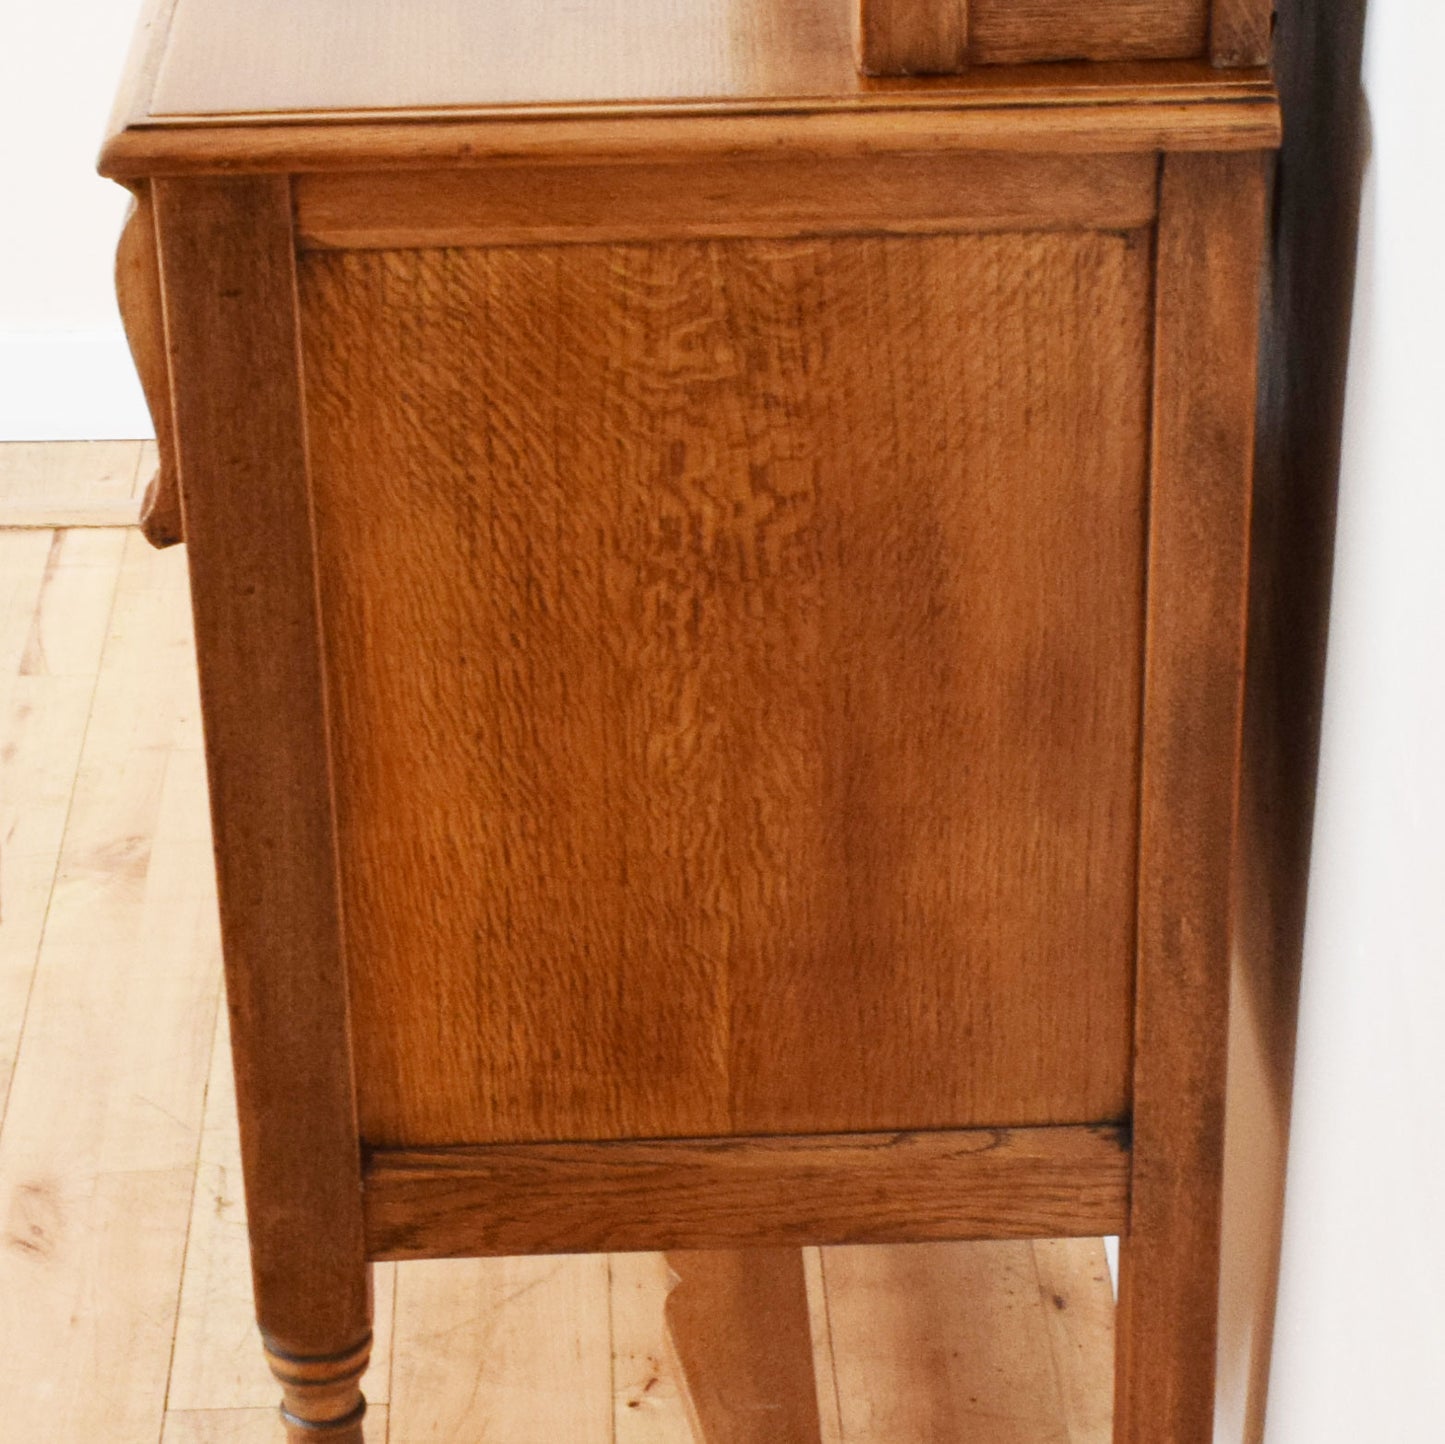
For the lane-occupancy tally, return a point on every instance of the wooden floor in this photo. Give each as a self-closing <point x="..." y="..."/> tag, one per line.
<point x="125" y="1308"/>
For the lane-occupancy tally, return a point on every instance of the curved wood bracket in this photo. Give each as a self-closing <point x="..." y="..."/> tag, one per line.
<point x="138" y="292"/>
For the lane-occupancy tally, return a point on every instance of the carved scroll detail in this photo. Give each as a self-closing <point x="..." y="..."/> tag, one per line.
<point x="138" y="290"/>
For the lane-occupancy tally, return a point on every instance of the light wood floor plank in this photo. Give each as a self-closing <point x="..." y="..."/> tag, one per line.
<point x="24" y="556"/>
<point x="941" y="1341"/>
<point x="71" y="484"/>
<point x="247" y="1426"/>
<point x="68" y="471"/>
<point x="647" y="1399"/>
<point x="98" y="1150"/>
<point x="824" y="1361"/>
<point x="72" y="607"/>
<point x="42" y="721"/>
<point x="145" y="468"/>
<point x="217" y="1362"/>
<point x="45" y="515"/>
<point x="1078" y="1302"/>
<point x="44" y="710"/>
<point x="512" y="1350"/>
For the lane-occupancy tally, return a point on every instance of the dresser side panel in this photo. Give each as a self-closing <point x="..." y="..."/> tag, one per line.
<point x="735" y="654"/>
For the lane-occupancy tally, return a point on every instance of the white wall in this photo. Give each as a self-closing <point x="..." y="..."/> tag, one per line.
<point x="64" y="368"/>
<point x="1360" y="1336"/>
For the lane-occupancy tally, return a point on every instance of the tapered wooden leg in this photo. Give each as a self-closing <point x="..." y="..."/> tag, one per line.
<point x="738" y="1322"/>
<point x="1211" y="226"/>
<point x="227" y="251"/>
<point x="321" y="1397"/>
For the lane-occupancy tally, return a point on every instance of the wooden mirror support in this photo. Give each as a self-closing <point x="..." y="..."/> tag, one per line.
<point x="942" y="37"/>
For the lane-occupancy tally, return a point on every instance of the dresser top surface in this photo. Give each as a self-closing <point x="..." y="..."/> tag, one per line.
<point x="330" y="55"/>
<point x="344" y="65"/>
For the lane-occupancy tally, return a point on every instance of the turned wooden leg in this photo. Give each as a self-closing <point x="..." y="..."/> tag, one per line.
<point x="227" y="252"/>
<point x="321" y="1397"/>
<point x="739" y="1327"/>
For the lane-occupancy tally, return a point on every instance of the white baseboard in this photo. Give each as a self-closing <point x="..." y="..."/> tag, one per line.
<point x="69" y="386"/>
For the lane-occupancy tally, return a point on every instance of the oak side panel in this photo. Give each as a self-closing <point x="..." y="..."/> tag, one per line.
<point x="735" y="654"/>
<point x="912" y="37"/>
<point x="1241" y="32"/>
<point x="229" y="275"/>
<point x="1210" y="237"/>
<point x="720" y="1193"/>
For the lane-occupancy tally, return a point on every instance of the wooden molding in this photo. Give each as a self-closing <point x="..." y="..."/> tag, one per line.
<point x="894" y="194"/>
<point x="718" y="1193"/>
<point x="1076" y="109"/>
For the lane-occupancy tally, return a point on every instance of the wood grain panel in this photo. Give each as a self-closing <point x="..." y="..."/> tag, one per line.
<point x="735" y="654"/>
<point x="1012" y="32"/>
<point x="1211" y="232"/>
<point x="709" y="1193"/>
<point x="756" y="196"/>
<point x="931" y="37"/>
<point x="1241" y="32"/>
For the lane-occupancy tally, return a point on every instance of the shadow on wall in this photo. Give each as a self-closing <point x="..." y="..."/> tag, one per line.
<point x="1306" y="333"/>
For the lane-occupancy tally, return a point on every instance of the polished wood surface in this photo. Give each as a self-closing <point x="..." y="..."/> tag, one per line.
<point x="794" y="710"/>
<point x="1211" y="233"/>
<point x="228" y="266"/>
<point x="119" y="1155"/>
<point x="273" y="56"/>
<point x="719" y="1193"/>
<point x="210" y="59"/>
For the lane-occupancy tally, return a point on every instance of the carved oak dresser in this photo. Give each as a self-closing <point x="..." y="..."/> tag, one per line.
<point x="718" y="535"/>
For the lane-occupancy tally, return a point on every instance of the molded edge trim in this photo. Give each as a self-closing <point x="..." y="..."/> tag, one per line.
<point x="1233" y="114"/>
